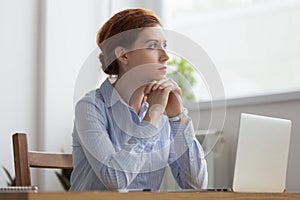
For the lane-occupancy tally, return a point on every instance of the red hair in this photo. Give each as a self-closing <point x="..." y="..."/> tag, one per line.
<point x="121" y="22"/>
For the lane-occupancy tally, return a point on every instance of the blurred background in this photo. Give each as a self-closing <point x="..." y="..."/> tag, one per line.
<point x="254" y="44"/>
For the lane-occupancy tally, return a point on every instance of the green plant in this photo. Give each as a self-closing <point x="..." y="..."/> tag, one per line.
<point x="64" y="178"/>
<point x="183" y="74"/>
<point x="12" y="181"/>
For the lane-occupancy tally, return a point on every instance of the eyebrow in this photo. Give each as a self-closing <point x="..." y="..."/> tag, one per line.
<point x="150" y="40"/>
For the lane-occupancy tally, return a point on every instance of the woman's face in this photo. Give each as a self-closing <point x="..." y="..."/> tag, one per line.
<point x="147" y="55"/>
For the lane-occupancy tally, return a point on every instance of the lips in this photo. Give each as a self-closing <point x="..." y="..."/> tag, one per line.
<point x="164" y="68"/>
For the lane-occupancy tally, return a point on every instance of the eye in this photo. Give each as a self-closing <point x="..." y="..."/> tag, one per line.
<point x="165" y="45"/>
<point x="153" y="45"/>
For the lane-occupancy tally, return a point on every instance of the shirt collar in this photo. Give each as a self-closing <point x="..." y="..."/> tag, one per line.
<point x="109" y="94"/>
<point x="111" y="97"/>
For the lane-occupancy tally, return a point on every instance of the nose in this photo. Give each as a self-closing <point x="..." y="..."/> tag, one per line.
<point x="164" y="57"/>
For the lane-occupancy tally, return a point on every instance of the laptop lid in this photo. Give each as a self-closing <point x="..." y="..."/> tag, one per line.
<point x="262" y="154"/>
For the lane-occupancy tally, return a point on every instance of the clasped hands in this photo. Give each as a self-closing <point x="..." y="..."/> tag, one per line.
<point x="163" y="96"/>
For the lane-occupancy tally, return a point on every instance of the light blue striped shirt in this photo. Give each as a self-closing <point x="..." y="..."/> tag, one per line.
<point x="113" y="148"/>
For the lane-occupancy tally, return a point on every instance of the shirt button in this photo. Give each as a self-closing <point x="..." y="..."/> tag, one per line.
<point x="189" y="133"/>
<point x="154" y="138"/>
<point x="131" y="141"/>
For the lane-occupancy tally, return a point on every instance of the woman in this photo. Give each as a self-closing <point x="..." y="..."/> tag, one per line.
<point x="127" y="131"/>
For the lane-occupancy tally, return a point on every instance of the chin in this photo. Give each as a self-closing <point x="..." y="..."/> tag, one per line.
<point x="156" y="76"/>
<point x="161" y="77"/>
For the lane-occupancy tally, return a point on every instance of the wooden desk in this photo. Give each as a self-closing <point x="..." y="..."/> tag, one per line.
<point x="146" y="196"/>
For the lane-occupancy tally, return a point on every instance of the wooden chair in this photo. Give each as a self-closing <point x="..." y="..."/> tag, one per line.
<point x="25" y="159"/>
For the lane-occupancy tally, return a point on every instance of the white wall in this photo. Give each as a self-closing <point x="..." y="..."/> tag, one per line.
<point x="43" y="46"/>
<point x="156" y="6"/>
<point x="71" y="28"/>
<point x="18" y="75"/>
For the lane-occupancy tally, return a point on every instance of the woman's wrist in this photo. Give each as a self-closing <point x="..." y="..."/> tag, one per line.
<point x="183" y="114"/>
<point x="153" y="114"/>
<point x="185" y="120"/>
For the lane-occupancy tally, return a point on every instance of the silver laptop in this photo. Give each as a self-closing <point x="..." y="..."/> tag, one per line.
<point x="262" y="154"/>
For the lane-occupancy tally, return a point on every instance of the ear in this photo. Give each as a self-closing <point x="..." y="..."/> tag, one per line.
<point x="121" y="55"/>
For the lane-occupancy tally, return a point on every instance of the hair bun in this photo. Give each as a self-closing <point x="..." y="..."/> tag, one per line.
<point x="112" y="68"/>
<point x="102" y="59"/>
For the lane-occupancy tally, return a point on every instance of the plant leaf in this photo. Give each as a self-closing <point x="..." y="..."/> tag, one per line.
<point x="11" y="179"/>
<point x="65" y="182"/>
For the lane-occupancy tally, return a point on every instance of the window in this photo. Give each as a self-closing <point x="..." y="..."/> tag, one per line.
<point x="254" y="44"/>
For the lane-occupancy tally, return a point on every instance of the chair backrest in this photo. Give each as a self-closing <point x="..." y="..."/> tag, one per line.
<point x="25" y="159"/>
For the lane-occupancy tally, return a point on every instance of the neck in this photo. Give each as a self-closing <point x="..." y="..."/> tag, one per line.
<point x="136" y="99"/>
<point x="133" y="98"/>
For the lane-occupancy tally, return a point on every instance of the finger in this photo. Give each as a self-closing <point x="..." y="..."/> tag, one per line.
<point x="165" y="85"/>
<point x="174" y="82"/>
<point x="160" y="83"/>
<point x="149" y="87"/>
<point x="173" y="85"/>
<point x="176" y="88"/>
<point x="168" y="88"/>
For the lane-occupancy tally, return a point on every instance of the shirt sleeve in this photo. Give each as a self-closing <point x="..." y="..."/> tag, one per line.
<point x="116" y="168"/>
<point x="186" y="159"/>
